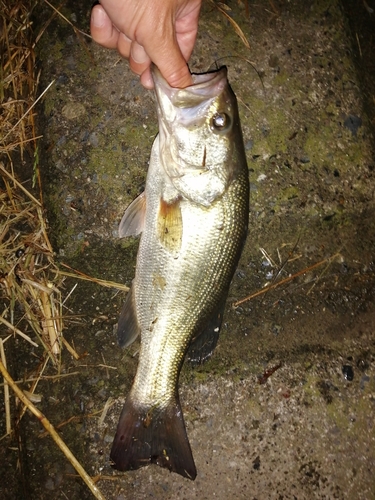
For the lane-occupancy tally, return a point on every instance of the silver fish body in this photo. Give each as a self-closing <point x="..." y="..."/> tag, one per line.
<point x="193" y="217"/>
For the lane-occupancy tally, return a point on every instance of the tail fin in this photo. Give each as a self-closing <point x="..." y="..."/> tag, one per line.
<point x="152" y="435"/>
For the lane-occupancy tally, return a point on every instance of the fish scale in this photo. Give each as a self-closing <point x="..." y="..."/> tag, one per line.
<point x="193" y="217"/>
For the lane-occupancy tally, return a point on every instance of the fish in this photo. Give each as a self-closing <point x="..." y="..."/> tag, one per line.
<point x="193" y="221"/>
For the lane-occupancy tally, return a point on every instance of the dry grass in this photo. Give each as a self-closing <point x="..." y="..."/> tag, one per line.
<point x="28" y="276"/>
<point x="30" y="282"/>
<point x="225" y="11"/>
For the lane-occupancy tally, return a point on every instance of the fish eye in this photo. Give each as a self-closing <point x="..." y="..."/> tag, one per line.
<point x="220" y="121"/>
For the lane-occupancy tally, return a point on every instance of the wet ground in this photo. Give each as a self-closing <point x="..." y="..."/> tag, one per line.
<point x="285" y="408"/>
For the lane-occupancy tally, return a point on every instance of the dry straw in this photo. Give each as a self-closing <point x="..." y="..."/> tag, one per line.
<point x="30" y="284"/>
<point x="30" y="281"/>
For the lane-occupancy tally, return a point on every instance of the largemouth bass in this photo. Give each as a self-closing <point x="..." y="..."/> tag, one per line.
<point x="193" y="216"/>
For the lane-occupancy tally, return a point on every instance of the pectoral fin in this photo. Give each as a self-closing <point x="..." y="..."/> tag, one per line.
<point x="169" y="225"/>
<point x="128" y="328"/>
<point x="133" y="220"/>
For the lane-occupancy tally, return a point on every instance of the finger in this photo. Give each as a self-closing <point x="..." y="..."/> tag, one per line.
<point x="173" y="67"/>
<point x="186" y="42"/>
<point x="102" y="29"/>
<point x="139" y="60"/>
<point x="186" y="30"/>
<point x="176" y="47"/>
<point x="164" y="51"/>
<point x="146" y="79"/>
<point x="124" y="45"/>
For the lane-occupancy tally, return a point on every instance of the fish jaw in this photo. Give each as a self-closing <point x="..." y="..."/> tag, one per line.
<point x="196" y="129"/>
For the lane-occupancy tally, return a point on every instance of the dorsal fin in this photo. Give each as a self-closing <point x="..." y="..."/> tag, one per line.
<point x="133" y="220"/>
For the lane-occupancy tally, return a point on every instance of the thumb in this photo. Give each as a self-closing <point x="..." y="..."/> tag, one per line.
<point x="175" y="72"/>
<point x="171" y="63"/>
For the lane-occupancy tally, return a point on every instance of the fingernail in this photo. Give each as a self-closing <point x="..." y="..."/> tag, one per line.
<point x="98" y="16"/>
<point x="138" y="53"/>
<point x="146" y="79"/>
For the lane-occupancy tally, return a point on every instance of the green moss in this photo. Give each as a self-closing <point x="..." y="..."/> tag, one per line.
<point x="289" y="193"/>
<point x="253" y="408"/>
<point x="281" y="78"/>
<point x="341" y="414"/>
<point x="338" y="415"/>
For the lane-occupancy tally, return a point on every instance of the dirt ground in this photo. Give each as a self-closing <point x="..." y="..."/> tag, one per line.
<point x="285" y="408"/>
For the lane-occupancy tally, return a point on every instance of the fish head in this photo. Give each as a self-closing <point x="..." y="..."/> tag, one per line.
<point x="199" y="135"/>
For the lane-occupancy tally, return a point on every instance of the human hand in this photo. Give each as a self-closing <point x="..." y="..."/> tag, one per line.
<point x="145" y="31"/>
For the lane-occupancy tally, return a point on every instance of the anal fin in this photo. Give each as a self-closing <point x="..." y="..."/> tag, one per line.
<point x="203" y="344"/>
<point x="128" y="328"/>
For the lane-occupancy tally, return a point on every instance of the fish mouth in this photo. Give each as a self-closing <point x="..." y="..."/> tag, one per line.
<point x="189" y="103"/>
<point x="205" y="86"/>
